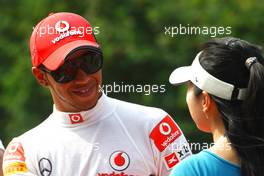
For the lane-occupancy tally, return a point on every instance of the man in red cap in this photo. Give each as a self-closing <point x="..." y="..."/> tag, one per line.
<point x="88" y="133"/>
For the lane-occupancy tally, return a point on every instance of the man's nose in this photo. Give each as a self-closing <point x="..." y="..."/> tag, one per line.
<point x="81" y="76"/>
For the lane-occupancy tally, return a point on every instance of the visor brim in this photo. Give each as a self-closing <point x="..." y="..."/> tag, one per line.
<point x="56" y="59"/>
<point x="181" y="75"/>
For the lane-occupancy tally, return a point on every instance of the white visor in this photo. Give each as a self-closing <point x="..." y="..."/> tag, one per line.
<point x="202" y="79"/>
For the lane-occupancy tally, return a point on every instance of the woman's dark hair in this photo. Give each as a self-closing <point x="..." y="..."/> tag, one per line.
<point x="225" y="59"/>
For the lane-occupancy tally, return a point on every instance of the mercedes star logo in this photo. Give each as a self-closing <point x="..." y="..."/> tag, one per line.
<point x="45" y="167"/>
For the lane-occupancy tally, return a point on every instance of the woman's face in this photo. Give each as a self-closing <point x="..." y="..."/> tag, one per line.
<point x="195" y="105"/>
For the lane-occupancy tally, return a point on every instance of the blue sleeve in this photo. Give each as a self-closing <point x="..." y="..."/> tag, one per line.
<point x="185" y="168"/>
<point x="180" y="170"/>
<point x="205" y="164"/>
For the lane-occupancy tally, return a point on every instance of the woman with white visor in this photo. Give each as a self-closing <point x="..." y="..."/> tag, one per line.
<point x="225" y="97"/>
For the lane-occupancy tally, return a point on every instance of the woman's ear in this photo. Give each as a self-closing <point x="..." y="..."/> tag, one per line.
<point x="40" y="76"/>
<point x="206" y="101"/>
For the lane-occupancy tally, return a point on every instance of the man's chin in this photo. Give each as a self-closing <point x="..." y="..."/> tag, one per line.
<point x="88" y="103"/>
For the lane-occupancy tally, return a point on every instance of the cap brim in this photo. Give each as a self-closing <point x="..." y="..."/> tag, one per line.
<point x="56" y="59"/>
<point x="181" y="75"/>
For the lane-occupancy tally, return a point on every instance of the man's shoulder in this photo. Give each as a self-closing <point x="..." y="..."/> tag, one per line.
<point x="35" y="133"/>
<point x="31" y="140"/>
<point x="138" y="111"/>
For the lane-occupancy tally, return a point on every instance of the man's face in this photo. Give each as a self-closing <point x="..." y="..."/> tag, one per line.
<point x="80" y="94"/>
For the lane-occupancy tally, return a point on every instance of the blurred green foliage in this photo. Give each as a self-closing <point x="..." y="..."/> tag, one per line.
<point x="136" y="50"/>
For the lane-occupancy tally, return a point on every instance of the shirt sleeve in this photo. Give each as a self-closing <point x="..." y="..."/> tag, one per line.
<point x="15" y="161"/>
<point x="188" y="167"/>
<point x="169" y="145"/>
<point x="182" y="169"/>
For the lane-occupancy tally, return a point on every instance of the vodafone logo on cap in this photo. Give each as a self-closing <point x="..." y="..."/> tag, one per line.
<point x="165" y="128"/>
<point x="62" y="26"/>
<point x="76" y="118"/>
<point x="119" y="160"/>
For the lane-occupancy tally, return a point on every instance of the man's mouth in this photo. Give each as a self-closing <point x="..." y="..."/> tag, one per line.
<point x="85" y="90"/>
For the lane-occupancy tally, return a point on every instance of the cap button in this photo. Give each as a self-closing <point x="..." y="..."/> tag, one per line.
<point x="51" y="13"/>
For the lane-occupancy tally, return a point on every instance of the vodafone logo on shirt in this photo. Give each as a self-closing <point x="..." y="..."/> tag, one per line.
<point x="165" y="133"/>
<point x="119" y="160"/>
<point x="165" y="128"/>
<point x="76" y="118"/>
<point x="113" y="174"/>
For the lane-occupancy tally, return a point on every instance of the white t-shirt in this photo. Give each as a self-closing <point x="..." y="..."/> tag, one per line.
<point x="1" y="145"/>
<point x="115" y="138"/>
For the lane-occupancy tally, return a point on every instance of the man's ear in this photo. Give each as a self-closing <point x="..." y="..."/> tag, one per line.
<point x="206" y="101"/>
<point x="40" y="76"/>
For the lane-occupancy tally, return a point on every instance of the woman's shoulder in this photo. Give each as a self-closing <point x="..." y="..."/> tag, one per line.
<point x="190" y="165"/>
<point x="204" y="163"/>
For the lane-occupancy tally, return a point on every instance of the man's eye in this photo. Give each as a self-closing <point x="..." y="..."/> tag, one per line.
<point x="67" y="71"/>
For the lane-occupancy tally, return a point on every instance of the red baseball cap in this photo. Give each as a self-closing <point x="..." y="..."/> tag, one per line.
<point x="56" y="36"/>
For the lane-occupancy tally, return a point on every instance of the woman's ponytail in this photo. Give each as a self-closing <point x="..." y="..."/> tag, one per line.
<point x="241" y="64"/>
<point x="252" y="156"/>
<point x="255" y="96"/>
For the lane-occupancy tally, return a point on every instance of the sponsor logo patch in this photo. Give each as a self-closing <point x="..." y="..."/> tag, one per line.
<point x="184" y="151"/>
<point x="119" y="160"/>
<point x="15" y="168"/>
<point x="114" y="174"/>
<point x="14" y="159"/>
<point x="171" y="160"/>
<point x="62" y="26"/>
<point x="45" y="167"/>
<point x="14" y="152"/>
<point x="165" y="133"/>
<point x="76" y="118"/>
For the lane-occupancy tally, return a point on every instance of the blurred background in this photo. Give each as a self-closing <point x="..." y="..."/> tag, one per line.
<point x="137" y="50"/>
